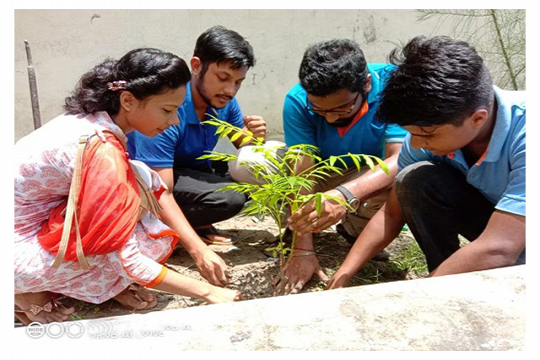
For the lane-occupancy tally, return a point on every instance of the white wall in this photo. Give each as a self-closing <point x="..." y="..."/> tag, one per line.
<point x="67" y="43"/>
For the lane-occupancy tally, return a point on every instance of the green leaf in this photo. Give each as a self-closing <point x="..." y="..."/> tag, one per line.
<point x="222" y="135"/>
<point x="291" y="181"/>
<point x="383" y="165"/>
<point x="355" y="160"/>
<point x="319" y="171"/>
<point x="343" y="162"/>
<point x="220" y="129"/>
<point x="228" y="131"/>
<point x="215" y="156"/>
<point x="274" y="251"/>
<point x="335" y="169"/>
<point x="369" y="162"/>
<point x="245" y="140"/>
<point x="211" y="122"/>
<point x="236" y="136"/>
<point x="318" y="203"/>
<point x="338" y="200"/>
<point x="332" y="160"/>
<point x="319" y="176"/>
<point x="305" y="198"/>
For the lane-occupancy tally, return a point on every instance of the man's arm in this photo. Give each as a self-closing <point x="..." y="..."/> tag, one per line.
<point x="500" y="244"/>
<point x="364" y="187"/>
<point x="503" y="239"/>
<point x="380" y="231"/>
<point x="210" y="265"/>
<point x="375" y="182"/>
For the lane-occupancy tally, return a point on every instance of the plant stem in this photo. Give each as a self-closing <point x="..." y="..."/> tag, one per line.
<point x="293" y="240"/>
<point x="503" y="48"/>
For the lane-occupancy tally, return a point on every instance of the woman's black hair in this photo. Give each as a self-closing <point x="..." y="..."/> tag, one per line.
<point x="146" y="71"/>
<point x="332" y="65"/>
<point x="438" y="81"/>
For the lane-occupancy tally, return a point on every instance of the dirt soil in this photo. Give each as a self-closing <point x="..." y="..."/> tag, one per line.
<point x="253" y="271"/>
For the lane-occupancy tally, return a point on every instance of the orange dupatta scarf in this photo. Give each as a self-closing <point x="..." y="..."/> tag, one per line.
<point x="108" y="204"/>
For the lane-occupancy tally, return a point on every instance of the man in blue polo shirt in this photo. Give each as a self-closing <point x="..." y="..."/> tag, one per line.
<point x="461" y="168"/>
<point x="219" y="65"/>
<point x="333" y="107"/>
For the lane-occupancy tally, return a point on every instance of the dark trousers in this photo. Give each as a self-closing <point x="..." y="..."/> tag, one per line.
<point x="196" y="193"/>
<point x="438" y="204"/>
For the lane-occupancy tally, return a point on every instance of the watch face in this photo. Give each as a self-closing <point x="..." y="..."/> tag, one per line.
<point x="354" y="203"/>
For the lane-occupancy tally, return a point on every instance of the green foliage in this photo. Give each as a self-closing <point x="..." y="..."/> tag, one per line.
<point x="281" y="188"/>
<point x="412" y="259"/>
<point x="498" y="36"/>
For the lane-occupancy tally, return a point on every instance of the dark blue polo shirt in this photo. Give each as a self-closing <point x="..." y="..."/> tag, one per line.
<point x="180" y="145"/>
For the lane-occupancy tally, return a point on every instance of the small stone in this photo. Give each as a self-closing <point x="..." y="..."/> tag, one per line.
<point x="240" y="336"/>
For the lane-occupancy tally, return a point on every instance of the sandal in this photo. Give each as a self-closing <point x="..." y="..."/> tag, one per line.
<point x="34" y="309"/>
<point x="211" y="230"/>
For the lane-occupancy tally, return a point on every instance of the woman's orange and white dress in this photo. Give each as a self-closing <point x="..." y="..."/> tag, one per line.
<point x="44" y="165"/>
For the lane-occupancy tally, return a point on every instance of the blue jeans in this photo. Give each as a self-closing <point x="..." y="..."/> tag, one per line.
<point x="438" y="204"/>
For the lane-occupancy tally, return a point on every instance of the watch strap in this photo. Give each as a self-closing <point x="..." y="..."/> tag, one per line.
<point x="349" y="196"/>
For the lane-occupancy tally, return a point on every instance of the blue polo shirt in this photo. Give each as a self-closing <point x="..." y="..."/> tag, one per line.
<point x="180" y="145"/>
<point x="368" y="136"/>
<point x="500" y="174"/>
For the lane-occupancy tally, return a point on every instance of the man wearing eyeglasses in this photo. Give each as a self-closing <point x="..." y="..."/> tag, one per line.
<point x="333" y="107"/>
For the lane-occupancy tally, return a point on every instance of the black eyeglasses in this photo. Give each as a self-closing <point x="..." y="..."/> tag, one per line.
<point x="337" y="111"/>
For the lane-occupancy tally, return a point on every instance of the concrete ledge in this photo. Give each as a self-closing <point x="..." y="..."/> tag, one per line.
<point x="476" y="311"/>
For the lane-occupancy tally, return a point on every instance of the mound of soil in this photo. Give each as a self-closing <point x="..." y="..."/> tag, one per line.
<point x="253" y="271"/>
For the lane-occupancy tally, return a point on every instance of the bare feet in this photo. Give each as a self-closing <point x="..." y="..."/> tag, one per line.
<point x="40" y="307"/>
<point x="136" y="297"/>
<point x="223" y="295"/>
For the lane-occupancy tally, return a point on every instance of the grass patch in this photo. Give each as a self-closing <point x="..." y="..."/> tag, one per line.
<point x="412" y="259"/>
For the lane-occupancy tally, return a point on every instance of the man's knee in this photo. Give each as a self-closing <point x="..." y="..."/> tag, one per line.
<point x="421" y="179"/>
<point x="237" y="202"/>
<point x="248" y="156"/>
<point x="231" y="202"/>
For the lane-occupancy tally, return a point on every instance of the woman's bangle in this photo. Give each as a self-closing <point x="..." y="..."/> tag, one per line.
<point x="303" y="253"/>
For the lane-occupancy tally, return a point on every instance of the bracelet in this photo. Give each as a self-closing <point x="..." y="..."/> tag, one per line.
<point x="305" y="253"/>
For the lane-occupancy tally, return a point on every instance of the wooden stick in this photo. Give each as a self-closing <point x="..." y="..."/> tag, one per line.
<point x="33" y="87"/>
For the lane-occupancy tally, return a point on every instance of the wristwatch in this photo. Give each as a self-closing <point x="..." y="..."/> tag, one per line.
<point x="349" y="196"/>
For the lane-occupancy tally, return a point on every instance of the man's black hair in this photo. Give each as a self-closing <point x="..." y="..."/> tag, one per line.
<point x="219" y="44"/>
<point x="332" y="65"/>
<point x="438" y="81"/>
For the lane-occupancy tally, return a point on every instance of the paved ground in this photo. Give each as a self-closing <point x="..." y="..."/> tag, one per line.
<point x="477" y="311"/>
